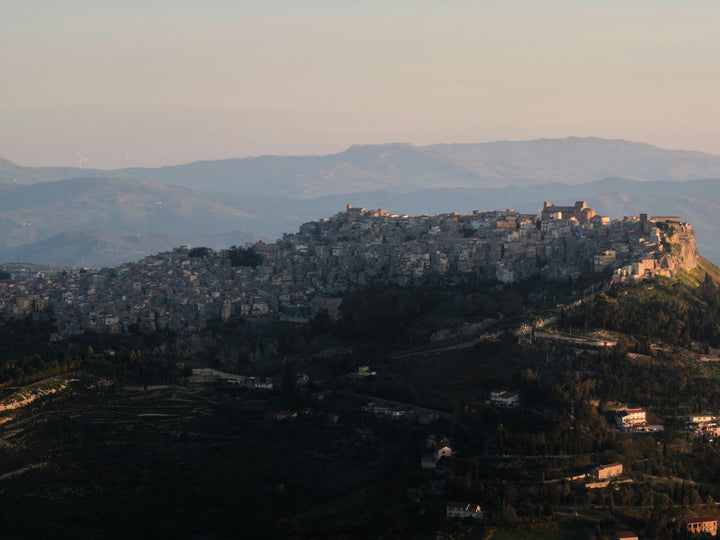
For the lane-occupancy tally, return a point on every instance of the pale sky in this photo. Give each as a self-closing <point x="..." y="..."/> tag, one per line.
<point x="150" y="82"/>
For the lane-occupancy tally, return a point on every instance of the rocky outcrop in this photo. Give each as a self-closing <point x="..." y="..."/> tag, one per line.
<point x="23" y="399"/>
<point x="679" y="251"/>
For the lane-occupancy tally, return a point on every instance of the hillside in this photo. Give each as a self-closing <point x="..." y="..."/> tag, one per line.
<point x="146" y="382"/>
<point x="100" y="222"/>
<point x="98" y="426"/>
<point x="682" y="311"/>
<point x="96" y="249"/>
<point x="577" y="160"/>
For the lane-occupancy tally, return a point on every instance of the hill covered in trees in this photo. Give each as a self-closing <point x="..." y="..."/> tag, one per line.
<point x="128" y="416"/>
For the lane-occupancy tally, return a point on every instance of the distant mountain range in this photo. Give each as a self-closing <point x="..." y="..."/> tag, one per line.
<point x="406" y="168"/>
<point x="65" y="215"/>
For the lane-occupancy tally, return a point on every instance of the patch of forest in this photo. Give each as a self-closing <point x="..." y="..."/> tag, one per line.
<point x="670" y="310"/>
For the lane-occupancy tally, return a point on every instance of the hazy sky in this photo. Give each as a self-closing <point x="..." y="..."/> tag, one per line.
<point x="153" y="82"/>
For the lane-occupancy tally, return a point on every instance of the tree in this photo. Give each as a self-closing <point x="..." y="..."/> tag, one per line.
<point x="320" y="322"/>
<point x="289" y="379"/>
<point x="244" y="256"/>
<point x="199" y="252"/>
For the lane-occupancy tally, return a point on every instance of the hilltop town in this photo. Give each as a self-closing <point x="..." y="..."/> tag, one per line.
<point x="305" y="272"/>
<point x="419" y="368"/>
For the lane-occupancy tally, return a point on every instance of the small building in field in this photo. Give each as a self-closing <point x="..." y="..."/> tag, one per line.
<point x="463" y="510"/>
<point x="698" y="418"/>
<point x="605" y="472"/>
<point x="629" y="419"/>
<point x="503" y="398"/>
<point x="286" y="415"/>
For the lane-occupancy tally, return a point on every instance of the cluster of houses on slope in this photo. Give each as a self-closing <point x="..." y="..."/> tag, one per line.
<point x="705" y="525"/>
<point x="439" y="452"/>
<point x="441" y="449"/>
<point x="305" y="272"/>
<point x="701" y="425"/>
<point x="704" y="425"/>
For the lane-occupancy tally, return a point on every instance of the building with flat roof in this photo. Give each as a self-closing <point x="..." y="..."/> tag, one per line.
<point x="579" y="211"/>
<point x="628" y="419"/>
<point x="463" y="510"/>
<point x="605" y="472"/>
<point x="700" y="525"/>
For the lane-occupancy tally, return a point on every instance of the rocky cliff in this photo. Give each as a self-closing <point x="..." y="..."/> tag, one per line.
<point x="678" y="248"/>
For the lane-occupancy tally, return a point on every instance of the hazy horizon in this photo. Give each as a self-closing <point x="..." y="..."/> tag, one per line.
<point x="157" y="82"/>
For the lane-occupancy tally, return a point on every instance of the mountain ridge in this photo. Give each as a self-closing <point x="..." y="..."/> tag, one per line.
<point x="273" y="195"/>
<point x="404" y="167"/>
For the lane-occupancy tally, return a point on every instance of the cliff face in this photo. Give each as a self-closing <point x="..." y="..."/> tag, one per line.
<point x="679" y="250"/>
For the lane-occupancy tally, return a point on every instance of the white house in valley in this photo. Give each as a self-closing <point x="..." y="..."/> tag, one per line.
<point x="503" y="398"/>
<point x="463" y="510"/>
<point x="629" y="419"/>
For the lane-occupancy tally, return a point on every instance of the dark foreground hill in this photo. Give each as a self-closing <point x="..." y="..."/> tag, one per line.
<point x="119" y="436"/>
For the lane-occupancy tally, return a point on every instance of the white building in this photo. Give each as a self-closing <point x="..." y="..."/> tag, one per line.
<point x="605" y="472"/>
<point x="503" y="274"/>
<point x="698" y="418"/>
<point x="462" y="510"/>
<point x="630" y="419"/>
<point x="445" y="451"/>
<point x="502" y="398"/>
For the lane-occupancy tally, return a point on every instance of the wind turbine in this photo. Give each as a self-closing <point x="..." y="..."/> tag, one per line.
<point x="81" y="160"/>
<point x="212" y="156"/>
<point x="127" y="157"/>
<point x="164" y="156"/>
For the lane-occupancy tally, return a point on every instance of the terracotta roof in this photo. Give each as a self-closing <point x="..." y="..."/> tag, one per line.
<point x="699" y="519"/>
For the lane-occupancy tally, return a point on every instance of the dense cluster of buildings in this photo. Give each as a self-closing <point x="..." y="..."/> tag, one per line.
<point x="704" y="425"/>
<point x="358" y="246"/>
<point x="305" y="272"/>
